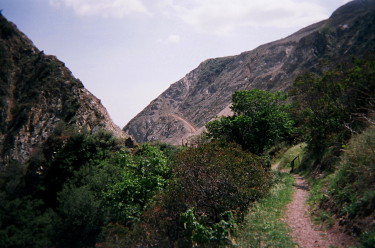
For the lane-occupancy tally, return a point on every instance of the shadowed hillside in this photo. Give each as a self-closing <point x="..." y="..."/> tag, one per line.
<point x="37" y="92"/>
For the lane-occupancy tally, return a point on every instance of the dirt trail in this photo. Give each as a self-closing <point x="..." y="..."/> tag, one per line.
<point x="188" y="124"/>
<point x="303" y="232"/>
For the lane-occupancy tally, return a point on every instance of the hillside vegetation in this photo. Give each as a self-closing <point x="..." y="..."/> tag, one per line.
<point x="80" y="189"/>
<point x="68" y="177"/>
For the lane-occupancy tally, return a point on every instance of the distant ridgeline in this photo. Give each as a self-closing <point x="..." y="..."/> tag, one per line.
<point x="37" y="93"/>
<point x="187" y="105"/>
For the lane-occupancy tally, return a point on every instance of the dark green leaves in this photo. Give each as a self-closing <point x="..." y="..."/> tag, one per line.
<point x="261" y="119"/>
<point x="331" y="106"/>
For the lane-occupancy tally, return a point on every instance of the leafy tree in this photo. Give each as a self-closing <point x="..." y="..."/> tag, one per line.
<point x="260" y="120"/>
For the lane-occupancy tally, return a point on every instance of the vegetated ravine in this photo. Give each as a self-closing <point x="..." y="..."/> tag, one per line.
<point x="68" y="178"/>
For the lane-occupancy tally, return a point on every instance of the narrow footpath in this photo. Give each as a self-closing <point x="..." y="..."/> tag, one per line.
<point x="303" y="233"/>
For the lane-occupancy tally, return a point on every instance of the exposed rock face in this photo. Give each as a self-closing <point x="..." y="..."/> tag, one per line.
<point x="37" y="92"/>
<point x="187" y="105"/>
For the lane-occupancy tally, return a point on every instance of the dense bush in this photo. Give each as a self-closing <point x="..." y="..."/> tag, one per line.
<point x="210" y="183"/>
<point x="142" y="175"/>
<point x="114" y="192"/>
<point x="75" y="188"/>
<point x="215" y="178"/>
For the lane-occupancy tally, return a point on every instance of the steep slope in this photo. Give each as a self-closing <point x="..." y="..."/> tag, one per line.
<point x="37" y="92"/>
<point x="188" y="104"/>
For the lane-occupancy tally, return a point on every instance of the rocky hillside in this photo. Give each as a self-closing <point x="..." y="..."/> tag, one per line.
<point x="187" y="105"/>
<point x="37" y="92"/>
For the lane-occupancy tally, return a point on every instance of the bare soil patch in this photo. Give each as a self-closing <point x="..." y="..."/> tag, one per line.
<point x="304" y="233"/>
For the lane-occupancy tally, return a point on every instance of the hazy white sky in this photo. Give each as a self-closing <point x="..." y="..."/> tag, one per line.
<point x="127" y="52"/>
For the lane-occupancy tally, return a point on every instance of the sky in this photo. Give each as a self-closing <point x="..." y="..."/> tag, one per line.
<point x="127" y="52"/>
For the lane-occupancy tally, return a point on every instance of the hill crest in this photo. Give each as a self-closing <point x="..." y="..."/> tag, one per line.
<point x="205" y="92"/>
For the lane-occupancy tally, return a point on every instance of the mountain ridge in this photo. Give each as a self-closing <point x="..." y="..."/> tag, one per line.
<point x="206" y="91"/>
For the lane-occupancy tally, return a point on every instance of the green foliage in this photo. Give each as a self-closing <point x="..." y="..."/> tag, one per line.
<point x="317" y="190"/>
<point x="168" y="150"/>
<point x="348" y="194"/>
<point x="142" y="176"/>
<point x="197" y="233"/>
<point x="262" y="226"/>
<point x="75" y="188"/>
<point x="23" y="222"/>
<point x="54" y="193"/>
<point x="112" y="192"/>
<point x="61" y="156"/>
<point x="351" y="193"/>
<point x="213" y="179"/>
<point x="367" y="239"/>
<point x="324" y="217"/>
<point x="80" y="217"/>
<point x="329" y="108"/>
<point x="261" y="120"/>
<point x="294" y="153"/>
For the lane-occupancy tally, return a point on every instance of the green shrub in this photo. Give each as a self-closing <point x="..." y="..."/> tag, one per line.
<point x="356" y="174"/>
<point x="80" y="217"/>
<point x="143" y="174"/>
<point x="352" y="190"/>
<point x="197" y="233"/>
<point x="213" y="179"/>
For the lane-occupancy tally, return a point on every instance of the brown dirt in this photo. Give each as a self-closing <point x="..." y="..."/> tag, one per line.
<point x="304" y="233"/>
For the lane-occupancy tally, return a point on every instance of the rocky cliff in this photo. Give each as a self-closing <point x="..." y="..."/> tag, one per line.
<point x="37" y="92"/>
<point x="187" y="105"/>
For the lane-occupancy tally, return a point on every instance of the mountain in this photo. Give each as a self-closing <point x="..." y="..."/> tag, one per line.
<point x="187" y="105"/>
<point x="37" y="92"/>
